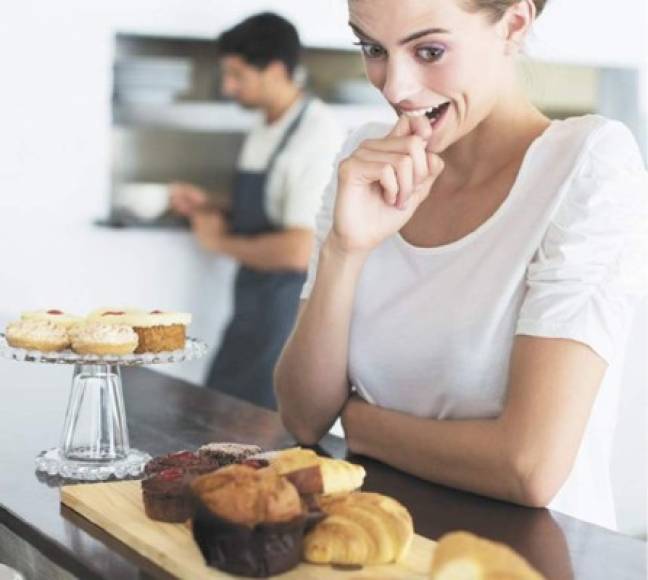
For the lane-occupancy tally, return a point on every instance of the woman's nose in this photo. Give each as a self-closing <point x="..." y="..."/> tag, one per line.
<point x="401" y="81"/>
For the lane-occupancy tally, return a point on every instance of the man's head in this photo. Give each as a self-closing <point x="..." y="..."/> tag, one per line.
<point x="257" y="55"/>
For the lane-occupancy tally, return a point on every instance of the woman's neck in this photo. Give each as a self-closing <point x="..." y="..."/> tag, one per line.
<point x="500" y="139"/>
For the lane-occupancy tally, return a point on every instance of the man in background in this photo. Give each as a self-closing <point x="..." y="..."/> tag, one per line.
<point x="282" y="169"/>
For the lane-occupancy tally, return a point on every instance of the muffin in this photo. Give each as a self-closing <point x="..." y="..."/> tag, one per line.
<point x="248" y="521"/>
<point x="188" y="461"/>
<point x="103" y="339"/>
<point x="227" y="453"/>
<point x="166" y="496"/>
<point x="33" y="334"/>
<point x="59" y="317"/>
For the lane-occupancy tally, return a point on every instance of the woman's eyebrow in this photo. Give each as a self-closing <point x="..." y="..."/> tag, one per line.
<point x="405" y="40"/>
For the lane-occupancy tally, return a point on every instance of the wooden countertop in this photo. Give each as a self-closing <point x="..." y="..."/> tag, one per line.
<point x="166" y="414"/>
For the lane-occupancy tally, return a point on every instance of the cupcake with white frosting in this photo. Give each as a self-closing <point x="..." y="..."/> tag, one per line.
<point x="34" y="334"/>
<point x="60" y="317"/>
<point x="104" y="339"/>
<point x="157" y="330"/>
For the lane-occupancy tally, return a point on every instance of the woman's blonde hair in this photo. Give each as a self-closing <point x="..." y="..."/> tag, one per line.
<point x="498" y="7"/>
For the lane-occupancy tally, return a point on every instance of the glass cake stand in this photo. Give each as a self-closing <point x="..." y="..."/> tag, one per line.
<point x="94" y="443"/>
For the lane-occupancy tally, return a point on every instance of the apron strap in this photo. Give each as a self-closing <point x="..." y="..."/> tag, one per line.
<point x="292" y="128"/>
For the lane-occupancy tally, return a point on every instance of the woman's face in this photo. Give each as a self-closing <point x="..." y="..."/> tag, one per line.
<point x="433" y="57"/>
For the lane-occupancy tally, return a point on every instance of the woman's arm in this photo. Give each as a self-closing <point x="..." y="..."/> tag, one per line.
<point x="523" y="456"/>
<point x="378" y="189"/>
<point x="311" y="377"/>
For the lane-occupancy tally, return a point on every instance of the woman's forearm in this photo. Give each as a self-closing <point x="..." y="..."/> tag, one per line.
<point x="311" y="376"/>
<point x="473" y="455"/>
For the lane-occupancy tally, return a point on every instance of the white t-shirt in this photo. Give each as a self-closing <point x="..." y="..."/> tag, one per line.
<point x="302" y="170"/>
<point x="432" y="328"/>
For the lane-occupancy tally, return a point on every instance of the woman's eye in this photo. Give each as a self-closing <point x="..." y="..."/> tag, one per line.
<point x="371" y="50"/>
<point x="430" y="53"/>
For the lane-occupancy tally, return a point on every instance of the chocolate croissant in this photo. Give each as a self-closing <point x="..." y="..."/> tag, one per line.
<point x="469" y="557"/>
<point x="360" y="528"/>
<point x="310" y="473"/>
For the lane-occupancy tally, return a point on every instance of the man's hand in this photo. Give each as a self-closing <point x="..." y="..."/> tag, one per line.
<point x="210" y="229"/>
<point x="187" y="199"/>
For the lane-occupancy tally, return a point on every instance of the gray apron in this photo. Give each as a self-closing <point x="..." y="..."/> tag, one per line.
<point x="265" y="303"/>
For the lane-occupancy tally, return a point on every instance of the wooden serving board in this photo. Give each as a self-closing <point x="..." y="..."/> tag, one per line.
<point x="117" y="508"/>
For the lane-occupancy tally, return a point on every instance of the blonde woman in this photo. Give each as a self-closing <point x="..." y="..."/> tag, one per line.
<point x="466" y="310"/>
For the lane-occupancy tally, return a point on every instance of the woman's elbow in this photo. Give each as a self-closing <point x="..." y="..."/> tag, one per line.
<point x="537" y="482"/>
<point x="303" y="433"/>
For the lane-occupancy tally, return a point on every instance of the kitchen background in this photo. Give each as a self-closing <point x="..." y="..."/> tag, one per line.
<point x="99" y="97"/>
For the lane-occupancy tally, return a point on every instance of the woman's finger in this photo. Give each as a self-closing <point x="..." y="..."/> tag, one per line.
<point x="411" y="145"/>
<point x="401" y="128"/>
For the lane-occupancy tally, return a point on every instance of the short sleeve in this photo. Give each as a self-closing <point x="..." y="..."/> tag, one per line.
<point x="590" y="268"/>
<point x="324" y="218"/>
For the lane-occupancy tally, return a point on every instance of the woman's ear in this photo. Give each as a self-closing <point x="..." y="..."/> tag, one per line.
<point x="515" y="24"/>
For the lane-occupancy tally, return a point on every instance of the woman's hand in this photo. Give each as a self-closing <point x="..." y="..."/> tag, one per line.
<point x="354" y="404"/>
<point x="381" y="184"/>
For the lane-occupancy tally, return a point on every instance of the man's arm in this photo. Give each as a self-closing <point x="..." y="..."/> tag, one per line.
<point x="288" y="249"/>
<point x="523" y="456"/>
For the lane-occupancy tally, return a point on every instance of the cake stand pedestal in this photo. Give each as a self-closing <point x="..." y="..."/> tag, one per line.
<point x="94" y="443"/>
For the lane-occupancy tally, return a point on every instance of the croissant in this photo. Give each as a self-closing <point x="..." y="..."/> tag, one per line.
<point x="310" y="473"/>
<point x="464" y="556"/>
<point x="360" y="528"/>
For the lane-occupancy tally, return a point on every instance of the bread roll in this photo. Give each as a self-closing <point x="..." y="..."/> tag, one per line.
<point x="360" y="528"/>
<point x="464" y="556"/>
<point x="310" y="473"/>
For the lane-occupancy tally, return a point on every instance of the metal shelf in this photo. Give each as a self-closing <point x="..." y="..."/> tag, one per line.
<point x="225" y="117"/>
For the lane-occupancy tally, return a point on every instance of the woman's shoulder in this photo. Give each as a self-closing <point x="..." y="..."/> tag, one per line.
<point x="595" y="139"/>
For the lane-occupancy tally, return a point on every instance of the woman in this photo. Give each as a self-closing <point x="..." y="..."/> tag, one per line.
<point x="466" y="311"/>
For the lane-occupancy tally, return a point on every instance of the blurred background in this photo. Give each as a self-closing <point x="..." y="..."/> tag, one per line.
<point x="103" y="103"/>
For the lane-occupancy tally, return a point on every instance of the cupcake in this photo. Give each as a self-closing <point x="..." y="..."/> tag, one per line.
<point x="158" y="331"/>
<point x="32" y="334"/>
<point x="226" y="453"/>
<point x="103" y="339"/>
<point x="64" y="319"/>
<point x="248" y="521"/>
<point x="166" y="496"/>
<point x="188" y="461"/>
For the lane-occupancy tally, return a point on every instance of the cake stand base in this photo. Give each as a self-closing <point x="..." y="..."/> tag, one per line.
<point x="53" y="462"/>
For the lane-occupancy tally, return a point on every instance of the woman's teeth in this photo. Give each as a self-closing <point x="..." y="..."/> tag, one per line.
<point x="431" y="112"/>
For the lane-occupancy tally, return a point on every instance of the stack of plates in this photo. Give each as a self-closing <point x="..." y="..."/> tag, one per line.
<point x="151" y="79"/>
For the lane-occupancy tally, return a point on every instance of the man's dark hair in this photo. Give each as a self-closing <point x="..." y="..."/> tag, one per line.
<point x="262" y="39"/>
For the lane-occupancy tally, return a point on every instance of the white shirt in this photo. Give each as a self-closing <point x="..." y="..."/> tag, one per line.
<point x="302" y="170"/>
<point x="432" y="328"/>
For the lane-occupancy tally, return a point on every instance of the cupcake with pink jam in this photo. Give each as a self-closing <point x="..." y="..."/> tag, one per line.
<point x="60" y="317"/>
<point x="104" y="339"/>
<point x="33" y="334"/>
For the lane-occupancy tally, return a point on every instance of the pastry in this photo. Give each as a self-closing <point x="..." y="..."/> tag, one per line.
<point x="59" y="317"/>
<point x="248" y="521"/>
<point x="226" y="453"/>
<point x="34" y="334"/>
<point x="464" y="556"/>
<point x="158" y="331"/>
<point x="189" y="462"/>
<point x="166" y="496"/>
<point x="103" y="339"/>
<point x="311" y="473"/>
<point x="359" y="529"/>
